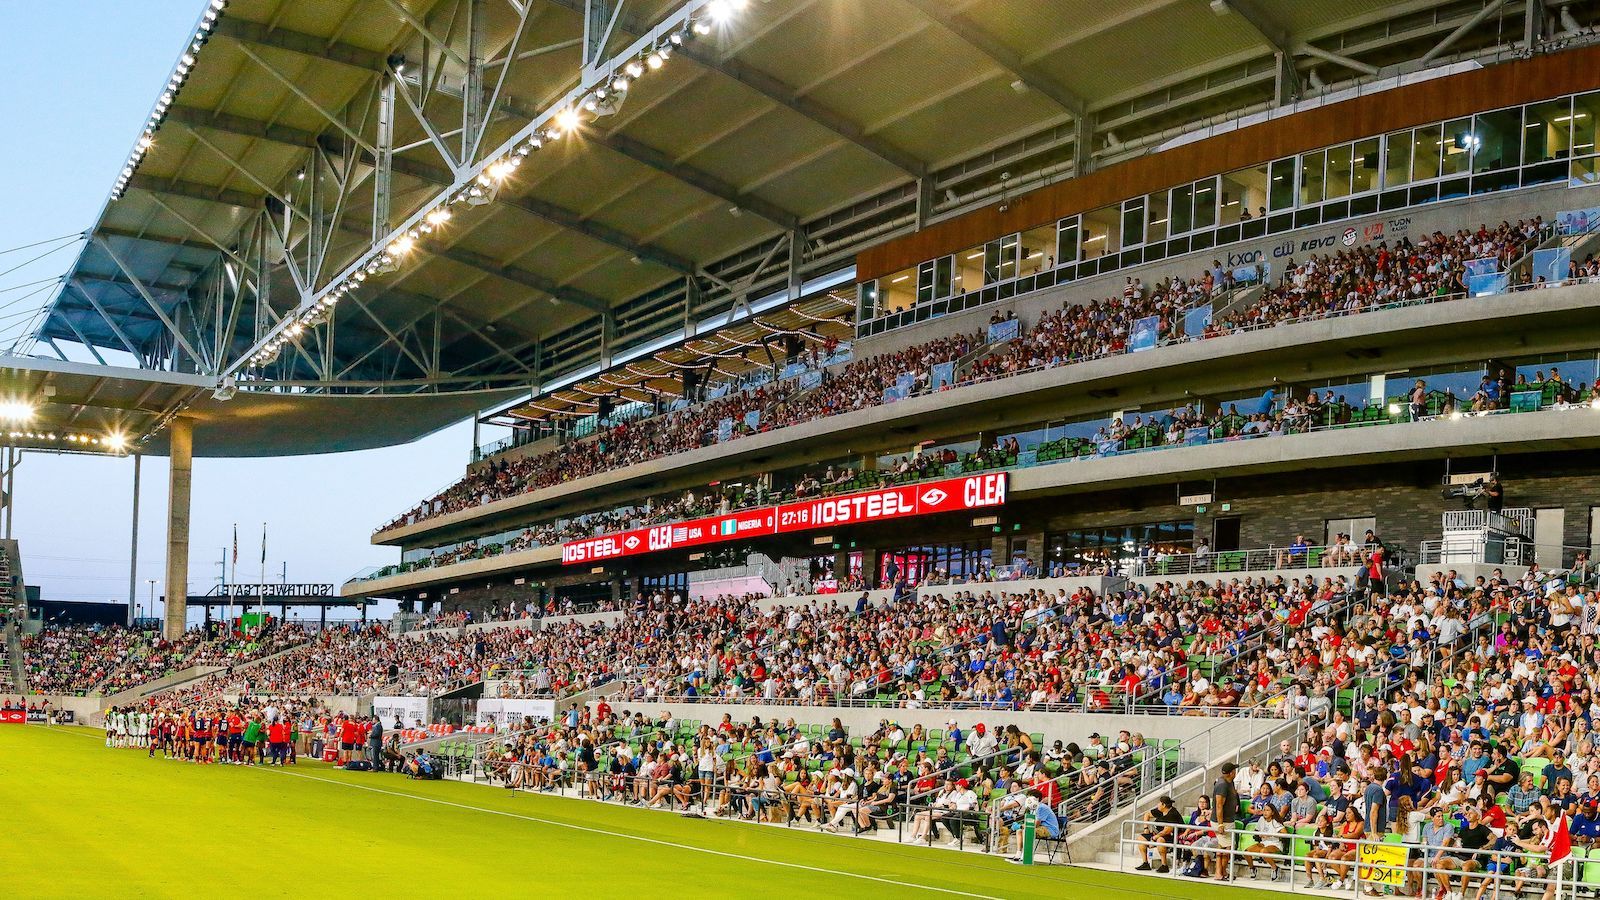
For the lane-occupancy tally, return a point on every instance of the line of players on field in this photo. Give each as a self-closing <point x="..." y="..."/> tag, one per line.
<point x="232" y="736"/>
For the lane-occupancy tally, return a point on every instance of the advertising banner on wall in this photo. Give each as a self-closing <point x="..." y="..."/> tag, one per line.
<point x="944" y="495"/>
<point x="1577" y="221"/>
<point x="500" y="712"/>
<point x="1145" y="332"/>
<point x="1486" y="284"/>
<point x="1005" y="331"/>
<point x="1551" y="265"/>
<point x="409" y="710"/>
<point x="941" y="375"/>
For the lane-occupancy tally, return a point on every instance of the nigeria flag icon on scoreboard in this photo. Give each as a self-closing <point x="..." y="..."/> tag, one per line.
<point x="729" y="526"/>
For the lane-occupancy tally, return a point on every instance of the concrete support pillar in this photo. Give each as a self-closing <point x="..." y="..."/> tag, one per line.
<point x="181" y="433"/>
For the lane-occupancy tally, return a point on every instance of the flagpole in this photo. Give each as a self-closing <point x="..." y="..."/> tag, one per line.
<point x="261" y="589"/>
<point x="233" y="578"/>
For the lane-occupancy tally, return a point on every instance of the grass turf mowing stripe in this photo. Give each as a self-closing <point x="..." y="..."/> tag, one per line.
<point x="634" y="837"/>
<point x="96" y="822"/>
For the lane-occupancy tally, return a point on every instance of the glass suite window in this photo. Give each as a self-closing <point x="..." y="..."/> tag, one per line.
<point x="1067" y="240"/>
<point x="1133" y="222"/>
<point x="1397" y="149"/>
<point x="1585" y="110"/>
<point x="1205" y="203"/>
<point x="1312" y="167"/>
<point x="1280" y="194"/>
<point x="1157" y="217"/>
<point x="1497" y="140"/>
<point x="1427" y="144"/>
<point x="1364" y="166"/>
<point x="1337" y="181"/>
<point x="1547" y="131"/>
<point x="1458" y="140"/>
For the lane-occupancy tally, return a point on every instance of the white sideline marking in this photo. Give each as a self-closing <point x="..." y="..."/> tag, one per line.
<point x="635" y="837"/>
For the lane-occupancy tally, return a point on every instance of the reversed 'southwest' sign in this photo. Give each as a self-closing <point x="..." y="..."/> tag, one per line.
<point x="947" y="495"/>
<point x="276" y="590"/>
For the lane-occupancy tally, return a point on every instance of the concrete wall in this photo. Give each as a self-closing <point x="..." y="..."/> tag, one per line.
<point x="1065" y="727"/>
<point x="378" y="587"/>
<point x="610" y="618"/>
<point x="1316" y="575"/>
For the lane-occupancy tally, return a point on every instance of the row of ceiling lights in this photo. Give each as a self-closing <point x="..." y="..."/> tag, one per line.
<point x="19" y="413"/>
<point x="601" y="100"/>
<point x="180" y="74"/>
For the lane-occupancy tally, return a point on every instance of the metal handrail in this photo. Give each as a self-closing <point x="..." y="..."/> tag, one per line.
<point x="1370" y="872"/>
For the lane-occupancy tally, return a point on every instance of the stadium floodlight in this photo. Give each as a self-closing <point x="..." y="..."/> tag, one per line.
<point x="17" y="411"/>
<point x="116" y="440"/>
<point x="438" y="217"/>
<point x="569" y="119"/>
<point x="655" y="60"/>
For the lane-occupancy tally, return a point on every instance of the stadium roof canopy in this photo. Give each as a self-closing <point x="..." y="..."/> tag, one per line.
<point x="433" y="197"/>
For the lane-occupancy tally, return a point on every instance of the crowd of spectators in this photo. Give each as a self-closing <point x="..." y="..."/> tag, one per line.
<point x="1350" y="281"/>
<point x="1471" y="747"/>
<point x="80" y="659"/>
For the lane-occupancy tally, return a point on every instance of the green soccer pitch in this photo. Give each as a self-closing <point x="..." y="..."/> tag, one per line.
<point x="79" y="820"/>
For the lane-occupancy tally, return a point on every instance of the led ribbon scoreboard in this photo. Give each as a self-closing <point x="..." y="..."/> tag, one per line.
<point x="927" y="498"/>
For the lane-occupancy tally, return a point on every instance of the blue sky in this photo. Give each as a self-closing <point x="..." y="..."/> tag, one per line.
<point x="81" y="77"/>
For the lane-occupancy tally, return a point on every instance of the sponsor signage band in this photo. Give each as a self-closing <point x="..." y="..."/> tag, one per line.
<point x="946" y="495"/>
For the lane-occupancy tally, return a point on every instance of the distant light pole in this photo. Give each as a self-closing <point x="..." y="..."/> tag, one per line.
<point x="152" y="606"/>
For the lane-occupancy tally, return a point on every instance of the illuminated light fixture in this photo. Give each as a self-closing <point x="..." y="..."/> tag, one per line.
<point x="438" y="217"/>
<point x="16" y="411"/>
<point x="702" y="26"/>
<point x="655" y="60"/>
<point x="720" y="10"/>
<point x="634" y="69"/>
<point x="500" y="169"/>
<point x="568" y="120"/>
<point x="677" y="38"/>
<point x="402" y="245"/>
<point x="620" y="83"/>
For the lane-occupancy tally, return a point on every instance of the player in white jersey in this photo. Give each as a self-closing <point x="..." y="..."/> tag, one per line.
<point x="141" y="729"/>
<point x="111" y="727"/>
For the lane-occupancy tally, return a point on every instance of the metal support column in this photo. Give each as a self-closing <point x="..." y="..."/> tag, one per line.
<point x="1083" y="146"/>
<point x="133" y="541"/>
<point x="383" y="171"/>
<point x="12" y="457"/>
<point x="472" y="93"/>
<point x="797" y="253"/>
<point x="597" y="16"/>
<point x="608" y="329"/>
<point x="925" y="201"/>
<point x="691" y="302"/>
<point x="181" y="432"/>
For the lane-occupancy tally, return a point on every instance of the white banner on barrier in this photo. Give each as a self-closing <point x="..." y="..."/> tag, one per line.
<point x="499" y="712"/>
<point x="409" y="710"/>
